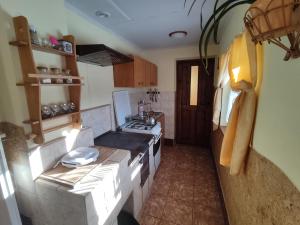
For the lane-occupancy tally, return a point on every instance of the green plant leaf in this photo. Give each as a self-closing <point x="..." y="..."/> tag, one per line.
<point x="221" y="12"/>
<point x="225" y="4"/>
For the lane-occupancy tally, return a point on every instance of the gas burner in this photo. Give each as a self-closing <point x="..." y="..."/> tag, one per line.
<point x="138" y="125"/>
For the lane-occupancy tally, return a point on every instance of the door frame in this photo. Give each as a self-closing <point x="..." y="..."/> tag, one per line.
<point x="216" y="62"/>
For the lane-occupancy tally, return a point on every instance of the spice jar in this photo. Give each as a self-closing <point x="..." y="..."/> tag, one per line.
<point x="34" y="36"/>
<point x="67" y="72"/>
<point x="43" y="70"/>
<point x="56" y="71"/>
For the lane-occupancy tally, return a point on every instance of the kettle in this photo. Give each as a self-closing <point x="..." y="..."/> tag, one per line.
<point x="150" y="121"/>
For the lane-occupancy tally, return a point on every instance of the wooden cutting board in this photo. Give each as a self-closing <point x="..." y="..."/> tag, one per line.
<point x="71" y="177"/>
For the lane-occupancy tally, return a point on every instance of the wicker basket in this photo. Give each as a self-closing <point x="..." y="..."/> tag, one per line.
<point x="269" y="20"/>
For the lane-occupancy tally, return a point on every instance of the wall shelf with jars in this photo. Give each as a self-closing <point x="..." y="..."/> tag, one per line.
<point x="36" y="77"/>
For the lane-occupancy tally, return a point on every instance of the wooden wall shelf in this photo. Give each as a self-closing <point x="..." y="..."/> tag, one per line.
<point x="49" y="85"/>
<point x="31" y="79"/>
<point x="40" y="48"/>
<point x="31" y="122"/>
<point x="50" y="50"/>
<point x="48" y="130"/>
<point x="18" y="43"/>
<point x="46" y="76"/>
<point x="61" y="116"/>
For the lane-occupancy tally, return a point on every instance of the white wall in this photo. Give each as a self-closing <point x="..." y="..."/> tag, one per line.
<point x="277" y="129"/>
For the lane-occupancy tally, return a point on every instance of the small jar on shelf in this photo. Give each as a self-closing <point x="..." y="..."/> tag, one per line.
<point x="67" y="72"/>
<point x="56" y="71"/>
<point x="43" y="70"/>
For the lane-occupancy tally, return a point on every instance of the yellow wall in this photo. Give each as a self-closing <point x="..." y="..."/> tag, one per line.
<point x="277" y="130"/>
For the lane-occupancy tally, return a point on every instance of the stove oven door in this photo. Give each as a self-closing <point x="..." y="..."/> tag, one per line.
<point x="157" y="152"/>
<point x="145" y="171"/>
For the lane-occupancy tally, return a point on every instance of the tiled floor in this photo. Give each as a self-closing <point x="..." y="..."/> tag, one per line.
<point x="185" y="190"/>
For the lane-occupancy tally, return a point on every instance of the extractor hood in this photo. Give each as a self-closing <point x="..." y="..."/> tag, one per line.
<point x="100" y="54"/>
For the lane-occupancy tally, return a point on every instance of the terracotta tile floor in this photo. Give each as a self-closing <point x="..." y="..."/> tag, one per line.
<point x="185" y="190"/>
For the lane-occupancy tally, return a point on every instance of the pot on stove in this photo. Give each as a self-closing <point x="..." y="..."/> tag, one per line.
<point x="150" y="121"/>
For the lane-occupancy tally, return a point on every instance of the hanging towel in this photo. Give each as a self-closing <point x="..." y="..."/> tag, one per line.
<point x="244" y="69"/>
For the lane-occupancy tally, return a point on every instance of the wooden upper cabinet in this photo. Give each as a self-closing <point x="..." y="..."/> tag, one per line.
<point x="153" y="75"/>
<point x="148" y="74"/>
<point x="139" y="73"/>
<point x="123" y="75"/>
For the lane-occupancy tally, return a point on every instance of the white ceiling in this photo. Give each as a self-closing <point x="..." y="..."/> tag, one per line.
<point x="147" y="23"/>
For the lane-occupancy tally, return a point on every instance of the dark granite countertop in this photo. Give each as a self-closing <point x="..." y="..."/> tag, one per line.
<point x="134" y="142"/>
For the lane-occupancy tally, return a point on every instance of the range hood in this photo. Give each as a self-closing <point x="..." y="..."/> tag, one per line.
<point x="100" y="54"/>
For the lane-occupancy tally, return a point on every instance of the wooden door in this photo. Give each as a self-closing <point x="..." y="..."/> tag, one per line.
<point x="194" y="98"/>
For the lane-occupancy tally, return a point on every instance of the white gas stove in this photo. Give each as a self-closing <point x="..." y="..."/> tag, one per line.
<point x="138" y="126"/>
<point x="123" y="111"/>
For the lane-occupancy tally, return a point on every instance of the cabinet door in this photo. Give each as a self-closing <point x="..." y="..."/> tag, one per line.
<point x="139" y="72"/>
<point x="148" y="74"/>
<point x="153" y="75"/>
<point x="123" y="75"/>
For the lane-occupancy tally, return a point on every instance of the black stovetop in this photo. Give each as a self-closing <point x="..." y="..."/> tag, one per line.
<point x="134" y="142"/>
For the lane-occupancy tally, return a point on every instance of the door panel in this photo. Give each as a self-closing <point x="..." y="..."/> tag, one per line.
<point x="139" y="72"/>
<point x="148" y="74"/>
<point x="193" y="121"/>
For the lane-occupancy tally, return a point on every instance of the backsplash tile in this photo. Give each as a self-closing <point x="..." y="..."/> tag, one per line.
<point x="166" y="104"/>
<point x="99" y="119"/>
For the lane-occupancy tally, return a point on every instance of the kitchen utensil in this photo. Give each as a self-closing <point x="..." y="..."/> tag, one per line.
<point x="150" y="121"/>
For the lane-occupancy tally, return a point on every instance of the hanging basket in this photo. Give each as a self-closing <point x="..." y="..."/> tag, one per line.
<point x="270" y="20"/>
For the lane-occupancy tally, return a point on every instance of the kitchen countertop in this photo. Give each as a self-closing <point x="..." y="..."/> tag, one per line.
<point x="134" y="142"/>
